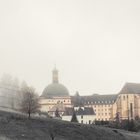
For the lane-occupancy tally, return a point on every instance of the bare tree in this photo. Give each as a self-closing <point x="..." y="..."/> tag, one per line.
<point x="30" y="101"/>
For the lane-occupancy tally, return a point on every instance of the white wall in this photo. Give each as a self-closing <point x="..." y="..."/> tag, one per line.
<point x="85" y="119"/>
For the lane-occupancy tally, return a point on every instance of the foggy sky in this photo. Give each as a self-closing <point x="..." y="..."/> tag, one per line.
<point x="95" y="44"/>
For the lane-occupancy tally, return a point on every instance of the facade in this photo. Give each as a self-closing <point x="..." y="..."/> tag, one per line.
<point x="60" y="107"/>
<point x="126" y="103"/>
<point x="103" y="105"/>
<point x="54" y="94"/>
<point x="84" y="115"/>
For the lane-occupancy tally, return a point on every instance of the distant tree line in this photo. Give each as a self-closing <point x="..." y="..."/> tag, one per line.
<point x="129" y="125"/>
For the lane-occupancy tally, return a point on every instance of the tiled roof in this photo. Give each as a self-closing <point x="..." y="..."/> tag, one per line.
<point x="68" y="111"/>
<point x="131" y="88"/>
<point x="94" y="99"/>
<point x="85" y="111"/>
<point x="100" y="99"/>
<point x="79" y="111"/>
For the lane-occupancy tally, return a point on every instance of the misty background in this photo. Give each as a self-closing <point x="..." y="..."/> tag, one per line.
<point x="95" y="44"/>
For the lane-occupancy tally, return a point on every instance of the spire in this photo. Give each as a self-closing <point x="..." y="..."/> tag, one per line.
<point x="55" y="75"/>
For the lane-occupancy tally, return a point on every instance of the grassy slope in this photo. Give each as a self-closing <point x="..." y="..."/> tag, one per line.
<point x="20" y="128"/>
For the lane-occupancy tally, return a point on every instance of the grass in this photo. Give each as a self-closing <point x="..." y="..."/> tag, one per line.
<point x="16" y="126"/>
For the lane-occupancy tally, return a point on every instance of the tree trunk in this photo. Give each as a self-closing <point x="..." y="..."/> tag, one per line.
<point x="29" y="115"/>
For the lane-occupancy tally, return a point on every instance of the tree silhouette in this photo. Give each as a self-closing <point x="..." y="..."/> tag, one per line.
<point x="74" y="117"/>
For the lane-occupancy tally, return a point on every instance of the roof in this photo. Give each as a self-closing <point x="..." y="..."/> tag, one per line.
<point x="85" y="111"/>
<point x="55" y="90"/>
<point x="131" y="88"/>
<point x="79" y="111"/>
<point x="102" y="98"/>
<point x="94" y="99"/>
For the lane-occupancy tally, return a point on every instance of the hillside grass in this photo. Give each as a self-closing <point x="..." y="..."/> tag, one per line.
<point x="14" y="126"/>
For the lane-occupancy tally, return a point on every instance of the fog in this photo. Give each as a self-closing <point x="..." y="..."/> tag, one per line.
<point x="93" y="43"/>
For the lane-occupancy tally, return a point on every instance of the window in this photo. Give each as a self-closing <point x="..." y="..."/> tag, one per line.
<point x="131" y="109"/>
<point x="123" y="97"/>
<point x="82" y="117"/>
<point x="127" y="96"/>
<point x="89" y="121"/>
<point x="81" y="121"/>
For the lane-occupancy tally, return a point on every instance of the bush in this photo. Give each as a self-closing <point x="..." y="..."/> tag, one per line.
<point x="130" y="125"/>
<point x="101" y="122"/>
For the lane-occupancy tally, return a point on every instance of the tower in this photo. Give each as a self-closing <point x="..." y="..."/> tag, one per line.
<point x="55" y="76"/>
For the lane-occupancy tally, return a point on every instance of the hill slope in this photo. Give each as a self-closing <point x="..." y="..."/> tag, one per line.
<point x="18" y="127"/>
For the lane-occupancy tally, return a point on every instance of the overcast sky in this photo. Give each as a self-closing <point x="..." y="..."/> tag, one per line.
<point x="95" y="44"/>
